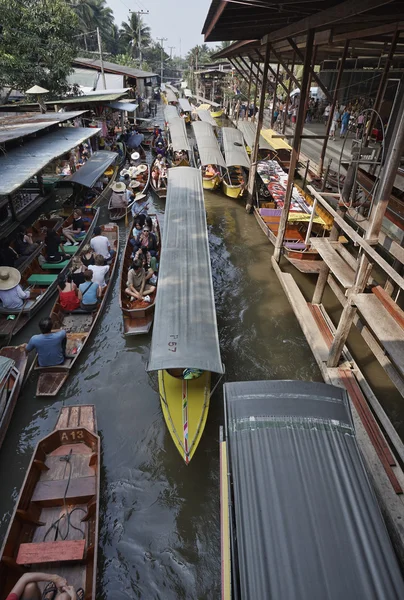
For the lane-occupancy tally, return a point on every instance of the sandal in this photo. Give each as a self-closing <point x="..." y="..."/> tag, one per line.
<point x="49" y="591"/>
<point x="80" y="594"/>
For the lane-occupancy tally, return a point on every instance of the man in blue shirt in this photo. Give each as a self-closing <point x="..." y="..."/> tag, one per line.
<point x="50" y="346"/>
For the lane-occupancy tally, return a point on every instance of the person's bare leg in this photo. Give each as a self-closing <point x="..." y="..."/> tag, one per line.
<point x="63" y="596"/>
<point x="68" y="234"/>
<point x="31" y="592"/>
<point x="132" y="294"/>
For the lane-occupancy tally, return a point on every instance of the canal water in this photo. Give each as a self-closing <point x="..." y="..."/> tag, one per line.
<point x="159" y="519"/>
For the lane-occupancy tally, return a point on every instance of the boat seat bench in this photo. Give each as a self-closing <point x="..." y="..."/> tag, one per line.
<point x="69" y="250"/>
<point x="55" y="266"/>
<point x="46" y="552"/>
<point x="51" y="493"/>
<point x="42" y="279"/>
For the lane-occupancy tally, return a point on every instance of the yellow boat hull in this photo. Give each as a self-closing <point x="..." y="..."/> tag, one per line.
<point x="216" y="113"/>
<point x="232" y="191"/>
<point x="185" y="405"/>
<point x="211" y="184"/>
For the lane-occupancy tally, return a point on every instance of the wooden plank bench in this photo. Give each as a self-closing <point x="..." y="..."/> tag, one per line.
<point x="42" y="279"/>
<point x="51" y="493"/>
<point x="338" y="266"/>
<point x="48" y="552"/>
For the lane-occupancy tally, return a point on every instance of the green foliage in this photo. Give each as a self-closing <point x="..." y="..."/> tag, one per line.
<point x="90" y="15"/>
<point x="37" y="44"/>
<point x="130" y="33"/>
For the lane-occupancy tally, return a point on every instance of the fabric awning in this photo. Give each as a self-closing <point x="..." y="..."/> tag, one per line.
<point x="22" y="163"/>
<point x="98" y="163"/>
<point x="208" y="147"/>
<point x="178" y="135"/>
<point x="185" y="314"/>
<point x="249" y="130"/>
<point x="185" y="105"/>
<point x="128" y="106"/>
<point x="234" y="149"/>
<point x="170" y="112"/>
<point x="206" y="117"/>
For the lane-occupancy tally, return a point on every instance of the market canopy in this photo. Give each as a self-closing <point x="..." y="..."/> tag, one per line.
<point x="178" y="135"/>
<point x="185" y="105"/>
<point x="185" y="311"/>
<point x="97" y="164"/>
<point x="206" y="117"/>
<point x="128" y="106"/>
<point x="249" y="131"/>
<point x="208" y="147"/>
<point x="170" y="112"/>
<point x="302" y="502"/>
<point x="276" y="143"/>
<point x="234" y="149"/>
<point x="20" y="164"/>
<point x="187" y="93"/>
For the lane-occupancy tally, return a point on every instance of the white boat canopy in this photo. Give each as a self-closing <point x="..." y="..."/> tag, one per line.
<point x="98" y="163"/>
<point x="178" y="135"/>
<point x="171" y="97"/>
<point x="185" y="328"/>
<point x="234" y="149"/>
<point x="203" y="100"/>
<point x="170" y="112"/>
<point x="187" y="93"/>
<point x="206" y="117"/>
<point x="249" y="131"/>
<point x="185" y="105"/>
<point x="208" y="147"/>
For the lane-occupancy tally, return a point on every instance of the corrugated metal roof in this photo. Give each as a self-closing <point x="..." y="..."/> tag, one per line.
<point x="18" y="125"/>
<point x="307" y="523"/>
<point x="203" y="100"/>
<point x="171" y="97"/>
<point x="249" y="131"/>
<point x="208" y="147"/>
<point x="24" y="162"/>
<point x="90" y="98"/>
<point x="234" y="149"/>
<point x="185" y="305"/>
<point x="178" y="135"/>
<point x="206" y="117"/>
<point x="113" y="68"/>
<point x="96" y="165"/>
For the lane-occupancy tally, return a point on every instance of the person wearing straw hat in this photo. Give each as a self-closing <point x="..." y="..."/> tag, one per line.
<point x="140" y="206"/>
<point x="12" y="295"/>
<point x="119" y="197"/>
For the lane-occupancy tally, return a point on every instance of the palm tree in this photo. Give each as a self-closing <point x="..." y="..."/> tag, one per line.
<point x="134" y="31"/>
<point x="92" y="14"/>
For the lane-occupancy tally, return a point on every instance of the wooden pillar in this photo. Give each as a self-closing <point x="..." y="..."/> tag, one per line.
<point x="289" y="91"/>
<point x="296" y="145"/>
<point x="386" y="181"/>
<point x="249" y="92"/>
<point x="333" y="104"/>
<point x="275" y="96"/>
<point x="254" y="150"/>
<point x="255" y="96"/>
<point x="12" y="209"/>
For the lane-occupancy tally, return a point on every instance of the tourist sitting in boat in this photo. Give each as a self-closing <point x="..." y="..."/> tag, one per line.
<point x="99" y="270"/>
<point x="137" y="286"/>
<point x="136" y="231"/>
<point x="209" y="171"/>
<point x="147" y="240"/>
<point x="89" y="292"/>
<point x="76" y="231"/>
<point x="87" y="256"/>
<point x="100" y="244"/>
<point x="68" y="298"/>
<point x="50" y="345"/>
<point x="12" y="296"/>
<point x="149" y="263"/>
<point x="24" y="244"/>
<point x="57" y="588"/>
<point x="8" y="256"/>
<point x="53" y="243"/>
<point x="119" y="198"/>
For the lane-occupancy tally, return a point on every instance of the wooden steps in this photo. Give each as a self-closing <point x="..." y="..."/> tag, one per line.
<point x="328" y="251"/>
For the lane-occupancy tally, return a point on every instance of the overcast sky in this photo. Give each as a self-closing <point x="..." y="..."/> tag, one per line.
<point x="171" y="19"/>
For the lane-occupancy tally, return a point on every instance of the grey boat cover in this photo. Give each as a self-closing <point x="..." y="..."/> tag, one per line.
<point x="97" y="164"/>
<point x="206" y="117"/>
<point x="128" y="106"/>
<point x="187" y="93"/>
<point x="185" y="105"/>
<point x="6" y="364"/>
<point x="170" y="112"/>
<point x="185" y="329"/>
<point x="208" y="147"/>
<point x="171" y="97"/>
<point x="307" y="522"/>
<point x="234" y="149"/>
<point x="178" y="135"/>
<point x="249" y="131"/>
<point x="172" y="88"/>
<point x="203" y="100"/>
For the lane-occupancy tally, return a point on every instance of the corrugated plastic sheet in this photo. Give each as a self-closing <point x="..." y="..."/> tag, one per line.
<point x="178" y="135"/>
<point x="185" y="105"/>
<point x="203" y="100"/>
<point x="97" y="164"/>
<point x="208" y="147"/>
<point x="206" y="117"/>
<point x="249" y="131"/>
<point x="17" y="125"/>
<point x="24" y="162"/>
<point x="235" y="153"/>
<point x="307" y="523"/>
<point x="185" y="329"/>
<point x="170" y="112"/>
<point x="128" y="106"/>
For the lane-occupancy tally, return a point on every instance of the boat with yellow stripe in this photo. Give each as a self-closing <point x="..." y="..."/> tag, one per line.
<point x="237" y="162"/>
<point x="249" y="130"/>
<point x="208" y="156"/>
<point x="214" y="108"/>
<point x="185" y="109"/>
<point x="185" y="344"/>
<point x="281" y="150"/>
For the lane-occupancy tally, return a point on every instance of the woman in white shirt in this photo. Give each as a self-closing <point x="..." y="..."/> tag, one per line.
<point x="100" y="270"/>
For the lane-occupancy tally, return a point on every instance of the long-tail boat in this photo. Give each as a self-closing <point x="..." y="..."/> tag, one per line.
<point x="208" y="155"/>
<point x="13" y="362"/>
<point x="54" y="527"/>
<point x="237" y="162"/>
<point x="79" y="326"/>
<point x="179" y="148"/>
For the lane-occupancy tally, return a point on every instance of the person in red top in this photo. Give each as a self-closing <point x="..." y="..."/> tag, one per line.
<point x="27" y="588"/>
<point x="68" y="297"/>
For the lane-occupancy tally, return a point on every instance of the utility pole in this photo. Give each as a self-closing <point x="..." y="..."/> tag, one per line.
<point x="139" y="13"/>
<point x="171" y="48"/>
<point x="162" y="40"/>
<point x="101" y="59"/>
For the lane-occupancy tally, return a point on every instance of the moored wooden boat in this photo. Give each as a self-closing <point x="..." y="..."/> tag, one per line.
<point x="207" y="155"/>
<point x="161" y="192"/>
<point x="41" y="277"/>
<point x="13" y="369"/>
<point x="54" y="528"/>
<point x="237" y="162"/>
<point x="137" y="315"/>
<point x="234" y="182"/>
<point x="179" y="148"/>
<point x="79" y="326"/>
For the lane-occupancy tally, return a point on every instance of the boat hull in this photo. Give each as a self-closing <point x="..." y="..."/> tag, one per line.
<point x="185" y="406"/>
<point x="233" y="191"/>
<point x="13" y="385"/>
<point x="212" y="183"/>
<point x="216" y="113"/>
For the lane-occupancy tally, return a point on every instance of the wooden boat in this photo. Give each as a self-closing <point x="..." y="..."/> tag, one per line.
<point x="234" y="182"/>
<point x="137" y="315"/>
<point x="162" y="151"/>
<point x="185" y="345"/>
<point x="237" y="162"/>
<point x="213" y="107"/>
<point x="79" y="326"/>
<point x="13" y="371"/>
<point x="54" y="528"/>
<point x="161" y="192"/>
<point x="207" y="152"/>
<point x="179" y="148"/>
<point x="185" y="110"/>
<point x="139" y="149"/>
<point x="42" y="277"/>
<point x="142" y="177"/>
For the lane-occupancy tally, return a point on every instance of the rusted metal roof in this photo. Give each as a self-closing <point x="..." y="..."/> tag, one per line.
<point x="19" y="125"/>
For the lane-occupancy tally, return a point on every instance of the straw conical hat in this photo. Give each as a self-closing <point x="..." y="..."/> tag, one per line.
<point x="9" y="278"/>
<point x="119" y="187"/>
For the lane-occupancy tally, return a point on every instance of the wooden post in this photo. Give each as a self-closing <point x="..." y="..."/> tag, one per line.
<point x="255" y="96"/>
<point x="332" y="109"/>
<point x="249" y="92"/>
<point x="275" y="96"/>
<point x="254" y="150"/>
<point x="296" y="145"/>
<point x="288" y="95"/>
<point x="386" y="181"/>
